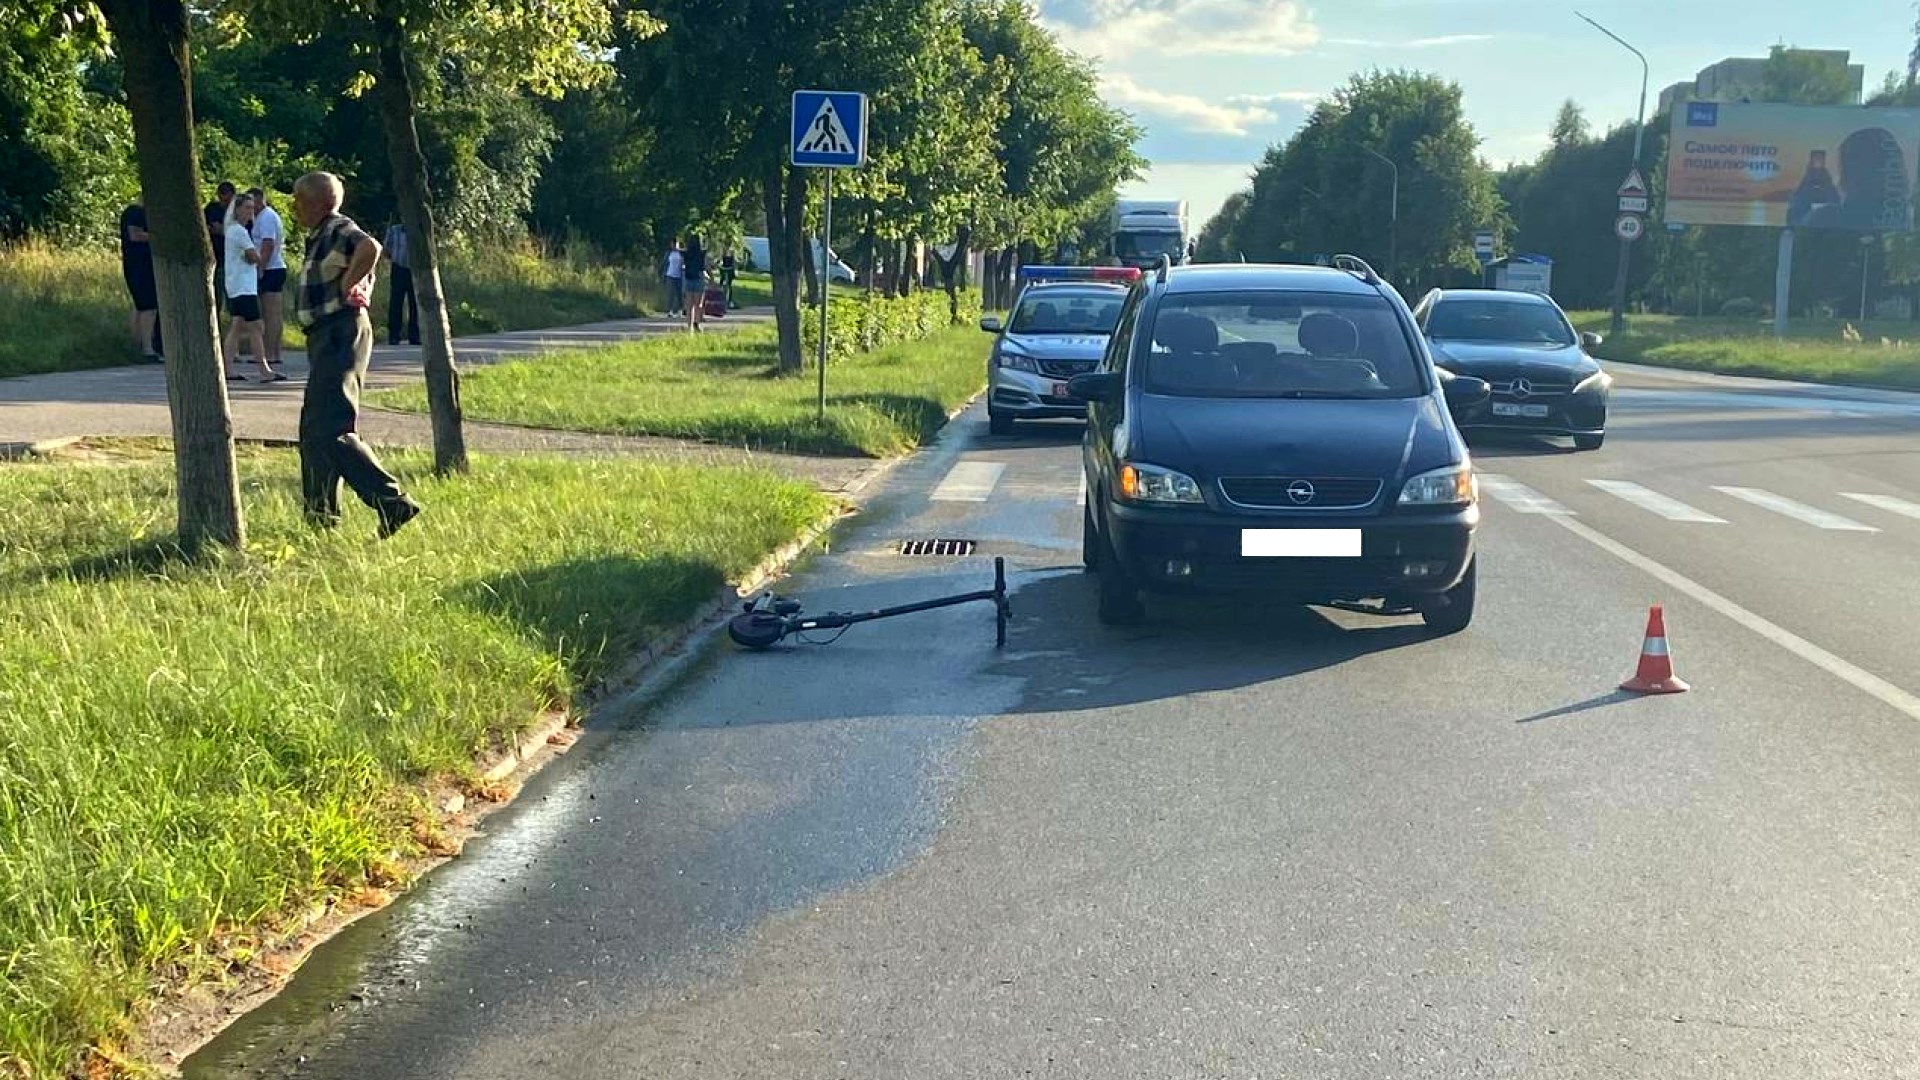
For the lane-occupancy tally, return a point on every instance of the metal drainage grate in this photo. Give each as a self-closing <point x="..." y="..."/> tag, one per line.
<point x="937" y="547"/>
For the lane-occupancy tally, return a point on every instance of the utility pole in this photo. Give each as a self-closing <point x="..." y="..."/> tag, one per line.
<point x="1639" y="137"/>
<point x="1393" y="230"/>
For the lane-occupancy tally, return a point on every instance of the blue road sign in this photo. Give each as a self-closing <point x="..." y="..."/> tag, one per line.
<point x="829" y="129"/>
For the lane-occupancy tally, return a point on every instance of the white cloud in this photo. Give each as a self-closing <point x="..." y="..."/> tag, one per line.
<point x="1414" y="43"/>
<point x="1231" y="117"/>
<point x="1114" y="28"/>
<point x="1281" y="97"/>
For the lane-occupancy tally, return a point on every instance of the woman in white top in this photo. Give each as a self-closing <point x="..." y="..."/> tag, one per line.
<point x="243" y="294"/>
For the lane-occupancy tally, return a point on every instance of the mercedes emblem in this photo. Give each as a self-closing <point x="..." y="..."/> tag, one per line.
<point x="1522" y="388"/>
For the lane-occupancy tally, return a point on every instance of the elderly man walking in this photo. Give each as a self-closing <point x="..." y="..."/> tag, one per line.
<point x="336" y="283"/>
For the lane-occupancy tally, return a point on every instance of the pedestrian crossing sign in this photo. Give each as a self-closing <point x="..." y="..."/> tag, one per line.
<point x="829" y="129"/>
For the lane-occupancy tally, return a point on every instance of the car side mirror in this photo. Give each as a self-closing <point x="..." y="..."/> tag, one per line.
<point x="1101" y="386"/>
<point x="1465" y="392"/>
<point x="1590" y="340"/>
<point x="991" y="324"/>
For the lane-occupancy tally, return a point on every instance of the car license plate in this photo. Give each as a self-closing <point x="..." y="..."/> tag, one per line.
<point x="1508" y="408"/>
<point x="1300" y="543"/>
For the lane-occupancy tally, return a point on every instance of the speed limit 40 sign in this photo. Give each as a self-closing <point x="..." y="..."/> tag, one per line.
<point x="1628" y="227"/>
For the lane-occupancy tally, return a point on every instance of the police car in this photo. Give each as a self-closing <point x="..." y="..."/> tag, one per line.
<point x="1059" y="328"/>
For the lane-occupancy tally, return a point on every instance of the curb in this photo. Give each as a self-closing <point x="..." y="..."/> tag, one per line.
<point x="19" y="451"/>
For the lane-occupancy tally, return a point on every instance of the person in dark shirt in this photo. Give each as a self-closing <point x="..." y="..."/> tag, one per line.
<point x="216" y="215"/>
<point x="136" y="269"/>
<point x="729" y="270"/>
<point x="693" y="280"/>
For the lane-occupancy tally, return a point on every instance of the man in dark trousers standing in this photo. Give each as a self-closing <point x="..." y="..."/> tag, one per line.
<point x="216" y="214"/>
<point x="400" y="287"/>
<point x="336" y="284"/>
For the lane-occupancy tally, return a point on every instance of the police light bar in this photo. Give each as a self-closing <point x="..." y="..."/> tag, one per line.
<point x="1080" y="273"/>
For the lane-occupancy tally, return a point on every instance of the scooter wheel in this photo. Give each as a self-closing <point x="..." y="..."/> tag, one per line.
<point x="756" y="630"/>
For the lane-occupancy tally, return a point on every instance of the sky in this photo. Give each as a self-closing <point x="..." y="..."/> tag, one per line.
<point x="1215" y="82"/>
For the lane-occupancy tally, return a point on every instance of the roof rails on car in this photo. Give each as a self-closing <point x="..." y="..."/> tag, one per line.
<point x="1166" y="264"/>
<point x="1357" y="266"/>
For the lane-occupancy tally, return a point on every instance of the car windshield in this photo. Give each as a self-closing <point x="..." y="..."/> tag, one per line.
<point x="1146" y="245"/>
<point x="1498" y="320"/>
<point x="1281" y="344"/>
<point x="1053" y="311"/>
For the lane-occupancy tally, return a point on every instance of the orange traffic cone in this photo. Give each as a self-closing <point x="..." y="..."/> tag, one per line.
<point x="1656" y="663"/>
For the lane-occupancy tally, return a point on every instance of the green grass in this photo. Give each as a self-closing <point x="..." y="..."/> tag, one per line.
<point x="722" y="387"/>
<point x="190" y="752"/>
<point x="1815" y="350"/>
<point x="67" y="310"/>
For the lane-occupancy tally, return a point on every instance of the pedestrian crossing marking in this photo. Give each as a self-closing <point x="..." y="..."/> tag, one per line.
<point x="969" y="481"/>
<point x="1885" y="502"/>
<point x="1780" y="504"/>
<point x="1519" y="497"/>
<point x="1654" y="502"/>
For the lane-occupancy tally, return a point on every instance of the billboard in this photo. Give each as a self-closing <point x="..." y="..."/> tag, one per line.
<point x="1808" y="166"/>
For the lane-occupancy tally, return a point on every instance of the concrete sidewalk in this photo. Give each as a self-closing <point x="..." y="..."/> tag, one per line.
<point x="132" y="401"/>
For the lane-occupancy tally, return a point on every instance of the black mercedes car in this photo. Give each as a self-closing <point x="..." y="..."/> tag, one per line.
<point x="1521" y="343"/>
<point x="1278" y="431"/>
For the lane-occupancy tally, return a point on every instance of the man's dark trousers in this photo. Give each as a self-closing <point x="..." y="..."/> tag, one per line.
<point x="338" y="349"/>
<point x="400" y="291"/>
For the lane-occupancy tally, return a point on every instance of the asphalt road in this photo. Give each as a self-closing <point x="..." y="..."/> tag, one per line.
<point x="1236" y="842"/>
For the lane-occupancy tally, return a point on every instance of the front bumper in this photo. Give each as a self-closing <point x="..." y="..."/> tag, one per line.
<point x="1032" y="397"/>
<point x="1574" y="414"/>
<point x="1402" y="555"/>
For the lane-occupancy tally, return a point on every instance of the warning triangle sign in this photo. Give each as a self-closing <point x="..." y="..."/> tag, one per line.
<point x="825" y="133"/>
<point x="1634" y="184"/>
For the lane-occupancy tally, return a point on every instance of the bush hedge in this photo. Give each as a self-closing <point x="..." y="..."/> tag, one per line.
<point x="862" y="323"/>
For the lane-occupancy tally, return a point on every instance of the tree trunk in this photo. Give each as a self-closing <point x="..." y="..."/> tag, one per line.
<point x="151" y="38"/>
<point x="784" y="262"/>
<point x="872" y="245"/>
<point x="410" y="191"/>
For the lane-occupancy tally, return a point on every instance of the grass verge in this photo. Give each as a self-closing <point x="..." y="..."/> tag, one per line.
<point x="190" y="752"/>
<point x="1815" y="350"/>
<point x="68" y="310"/>
<point x="724" y="387"/>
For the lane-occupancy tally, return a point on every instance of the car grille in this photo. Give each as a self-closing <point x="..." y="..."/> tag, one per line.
<point x="1536" y="388"/>
<point x="1279" y="492"/>
<point x="1066" y="369"/>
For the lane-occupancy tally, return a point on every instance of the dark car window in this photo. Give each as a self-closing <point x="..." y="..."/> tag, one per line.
<point x="1498" y="320"/>
<point x="1121" y="346"/>
<point x="1050" y="311"/>
<point x="1281" y="344"/>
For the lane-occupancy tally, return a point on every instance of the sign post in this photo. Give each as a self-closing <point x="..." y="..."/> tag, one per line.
<point x="829" y="132"/>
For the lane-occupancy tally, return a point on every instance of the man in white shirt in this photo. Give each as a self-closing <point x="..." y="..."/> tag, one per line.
<point x="242" y="277"/>
<point x="270" y="236"/>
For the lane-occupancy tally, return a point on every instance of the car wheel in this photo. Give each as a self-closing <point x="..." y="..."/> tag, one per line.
<point x="1119" y="594"/>
<point x="999" y="423"/>
<point x="1450" y="612"/>
<point x="1589" y="442"/>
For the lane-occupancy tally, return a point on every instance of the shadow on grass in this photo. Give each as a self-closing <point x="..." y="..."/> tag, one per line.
<point x="139" y="559"/>
<point x="922" y="416"/>
<point x="595" y="612"/>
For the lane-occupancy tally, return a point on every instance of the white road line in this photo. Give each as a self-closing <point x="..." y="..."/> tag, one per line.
<point x="1519" y="496"/>
<point x="1885" y="502"/>
<point x="1859" y="678"/>
<point x="1081" y="498"/>
<point x="1650" y="500"/>
<point x="1799" y="511"/>
<point x="969" y="481"/>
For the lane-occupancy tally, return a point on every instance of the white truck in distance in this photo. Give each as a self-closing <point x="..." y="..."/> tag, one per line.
<point x="1145" y="229"/>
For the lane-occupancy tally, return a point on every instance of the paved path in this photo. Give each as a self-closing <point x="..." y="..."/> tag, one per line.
<point x="132" y="401"/>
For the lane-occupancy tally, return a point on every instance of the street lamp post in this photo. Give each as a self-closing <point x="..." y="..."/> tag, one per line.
<point x="1393" y="228"/>
<point x="1639" y="133"/>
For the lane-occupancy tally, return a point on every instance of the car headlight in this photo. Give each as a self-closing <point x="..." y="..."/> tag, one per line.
<point x="1452" y="486"/>
<point x="1153" y="484"/>
<point x="1599" y="380"/>
<point x="1016" y="360"/>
